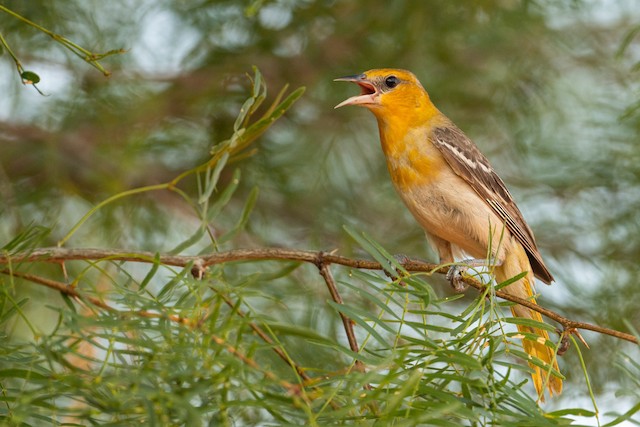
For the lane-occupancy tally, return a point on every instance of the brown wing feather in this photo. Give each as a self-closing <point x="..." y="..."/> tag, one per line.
<point x="471" y="165"/>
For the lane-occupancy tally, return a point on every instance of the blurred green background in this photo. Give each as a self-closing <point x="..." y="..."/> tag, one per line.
<point x="549" y="91"/>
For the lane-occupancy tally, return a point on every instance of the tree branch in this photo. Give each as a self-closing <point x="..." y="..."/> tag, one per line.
<point x="266" y="338"/>
<point x="325" y="272"/>
<point x="58" y="255"/>
<point x="293" y="389"/>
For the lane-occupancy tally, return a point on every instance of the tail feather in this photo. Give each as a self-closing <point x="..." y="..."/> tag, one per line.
<point x="515" y="262"/>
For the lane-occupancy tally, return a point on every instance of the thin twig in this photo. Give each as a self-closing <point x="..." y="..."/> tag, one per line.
<point x="325" y="272"/>
<point x="87" y="56"/>
<point x="266" y="338"/>
<point x="293" y="389"/>
<point x="72" y="292"/>
<point x="264" y="254"/>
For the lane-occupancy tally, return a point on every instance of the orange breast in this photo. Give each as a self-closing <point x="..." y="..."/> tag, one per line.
<point x="412" y="160"/>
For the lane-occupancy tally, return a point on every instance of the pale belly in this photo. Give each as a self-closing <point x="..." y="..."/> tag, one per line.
<point x="450" y="210"/>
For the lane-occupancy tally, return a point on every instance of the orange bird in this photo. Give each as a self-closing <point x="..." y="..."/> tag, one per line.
<point x="457" y="197"/>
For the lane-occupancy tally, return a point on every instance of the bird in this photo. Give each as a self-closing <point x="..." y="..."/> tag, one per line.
<point x="458" y="198"/>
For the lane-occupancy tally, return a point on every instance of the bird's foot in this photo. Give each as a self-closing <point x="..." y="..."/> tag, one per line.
<point x="457" y="272"/>
<point x="456" y="278"/>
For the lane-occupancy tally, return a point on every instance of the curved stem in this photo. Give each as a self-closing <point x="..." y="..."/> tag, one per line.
<point x="106" y="202"/>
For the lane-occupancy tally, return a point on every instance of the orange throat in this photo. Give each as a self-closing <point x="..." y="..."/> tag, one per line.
<point x="411" y="159"/>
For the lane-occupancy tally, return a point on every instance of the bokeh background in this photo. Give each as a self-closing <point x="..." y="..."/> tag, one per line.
<point x="549" y="90"/>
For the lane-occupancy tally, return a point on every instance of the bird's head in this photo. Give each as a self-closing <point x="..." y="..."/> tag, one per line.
<point x="388" y="91"/>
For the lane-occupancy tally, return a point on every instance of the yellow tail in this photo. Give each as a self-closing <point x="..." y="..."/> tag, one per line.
<point x="516" y="262"/>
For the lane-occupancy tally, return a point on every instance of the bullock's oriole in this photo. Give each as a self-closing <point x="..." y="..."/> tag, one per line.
<point x="455" y="195"/>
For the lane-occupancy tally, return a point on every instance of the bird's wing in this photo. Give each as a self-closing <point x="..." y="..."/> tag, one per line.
<point x="470" y="164"/>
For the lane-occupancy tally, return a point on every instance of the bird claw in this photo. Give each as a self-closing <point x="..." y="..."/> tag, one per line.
<point x="457" y="272"/>
<point x="455" y="277"/>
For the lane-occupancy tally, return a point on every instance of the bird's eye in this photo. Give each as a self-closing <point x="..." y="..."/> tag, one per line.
<point x="391" y="82"/>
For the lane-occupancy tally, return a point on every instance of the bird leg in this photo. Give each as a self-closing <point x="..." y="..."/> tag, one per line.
<point x="456" y="272"/>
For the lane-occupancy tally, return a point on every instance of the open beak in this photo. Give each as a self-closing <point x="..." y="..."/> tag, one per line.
<point x="369" y="93"/>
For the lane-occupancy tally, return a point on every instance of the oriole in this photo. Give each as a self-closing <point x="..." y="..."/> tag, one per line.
<point x="456" y="196"/>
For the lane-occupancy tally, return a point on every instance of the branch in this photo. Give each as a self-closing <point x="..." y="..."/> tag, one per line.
<point x="266" y="338"/>
<point x="58" y="255"/>
<point x="293" y="389"/>
<point x="325" y="272"/>
<point x="84" y="54"/>
<point x="72" y="292"/>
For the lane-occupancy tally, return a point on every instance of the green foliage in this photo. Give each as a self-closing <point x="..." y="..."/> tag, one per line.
<point x="29" y="77"/>
<point x="168" y="347"/>
<point x="424" y="365"/>
<point x="174" y="155"/>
